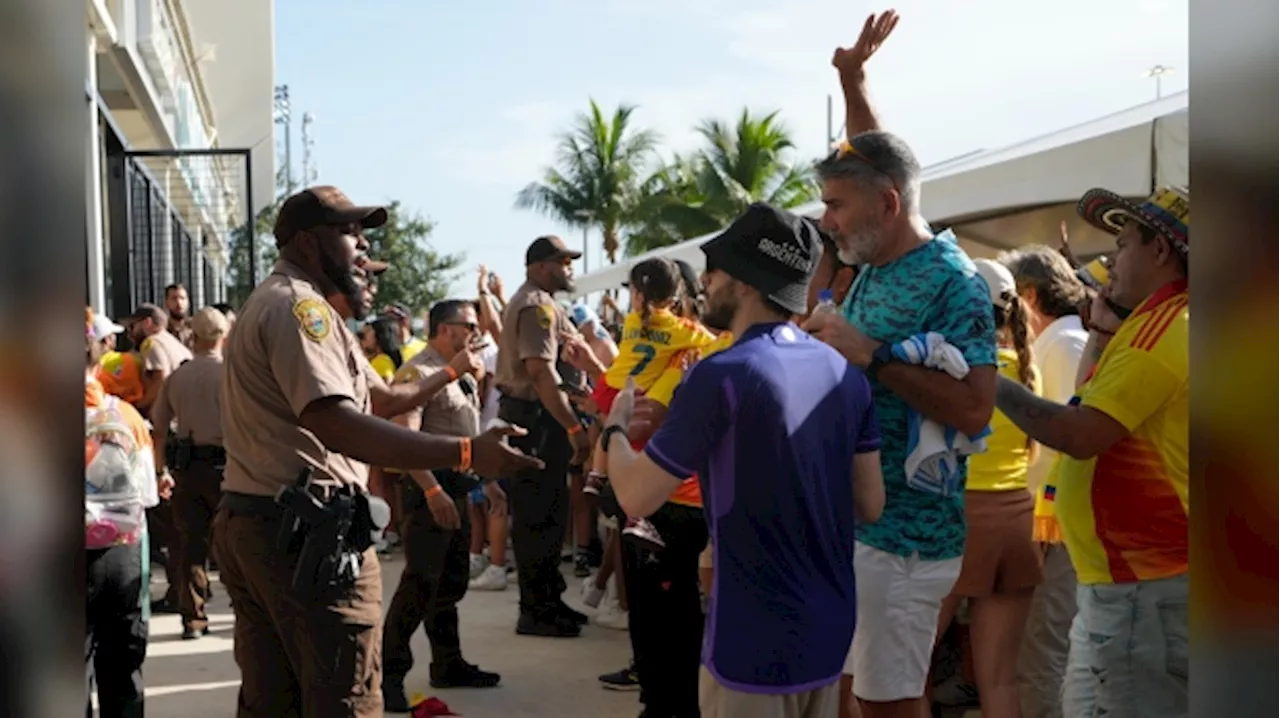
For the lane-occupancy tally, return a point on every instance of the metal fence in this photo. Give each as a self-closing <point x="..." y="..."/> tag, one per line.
<point x="173" y="218"/>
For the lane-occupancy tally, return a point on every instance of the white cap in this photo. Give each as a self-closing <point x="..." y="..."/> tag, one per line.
<point x="999" y="281"/>
<point x="104" y="327"/>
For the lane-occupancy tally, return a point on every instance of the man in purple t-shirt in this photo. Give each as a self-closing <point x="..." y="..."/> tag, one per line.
<point x="781" y="432"/>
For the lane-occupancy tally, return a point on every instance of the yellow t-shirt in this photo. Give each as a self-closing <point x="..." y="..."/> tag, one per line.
<point x="646" y="351"/>
<point x="1003" y="467"/>
<point x="384" y="366"/>
<point x="665" y="387"/>
<point x="1124" y="513"/>
<point x="411" y="347"/>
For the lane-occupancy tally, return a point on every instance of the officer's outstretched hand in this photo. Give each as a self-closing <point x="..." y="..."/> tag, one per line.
<point x="492" y="458"/>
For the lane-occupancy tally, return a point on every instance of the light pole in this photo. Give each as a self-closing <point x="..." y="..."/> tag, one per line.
<point x="587" y="216"/>
<point x="280" y="103"/>
<point x="1156" y="71"/>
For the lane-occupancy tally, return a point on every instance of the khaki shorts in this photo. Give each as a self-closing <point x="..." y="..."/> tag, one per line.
<point x="719" y="701"/>
<point x="999" y="555"/>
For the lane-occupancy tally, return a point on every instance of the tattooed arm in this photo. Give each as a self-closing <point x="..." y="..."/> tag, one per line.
<point x="1081" y="432"/>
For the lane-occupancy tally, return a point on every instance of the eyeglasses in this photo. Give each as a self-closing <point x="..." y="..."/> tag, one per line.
<point x="471" y="326"/>
<point x="846" y="149"/>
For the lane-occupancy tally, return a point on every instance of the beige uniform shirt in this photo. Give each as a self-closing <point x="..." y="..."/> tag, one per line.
<point x="532" y="323"/>
<point x="193" y="396"/>
<point x="163" y="352"/>
<point x="289" y="349"/>
<point x="455" y="409"/>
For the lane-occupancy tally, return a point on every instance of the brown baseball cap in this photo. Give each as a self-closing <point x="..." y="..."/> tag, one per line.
<point x="150" y="311"/>
<point x="373" y="267"/>
<point x="315" y="206"/>
<point x="545" y="249"/>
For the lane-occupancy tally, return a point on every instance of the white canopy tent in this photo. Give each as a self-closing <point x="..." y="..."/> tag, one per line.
<point x="1001" y="199"/>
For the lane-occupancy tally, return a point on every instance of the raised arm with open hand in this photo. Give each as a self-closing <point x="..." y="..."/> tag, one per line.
<point x="850" y="63"/>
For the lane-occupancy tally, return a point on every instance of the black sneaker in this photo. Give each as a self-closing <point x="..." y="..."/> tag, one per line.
<point x="553" y="628"/>
<point x="393" y="698"/>
<point x="624" y="680"/>
<point x="190" y="633"/>
<point x="461" y="674"/>
<point x="582" y="564"/>
<point x="577" y="618"/>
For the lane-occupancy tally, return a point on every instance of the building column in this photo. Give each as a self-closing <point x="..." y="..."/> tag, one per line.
<point x="96" y="249"/>
<point x="198" y="298"/>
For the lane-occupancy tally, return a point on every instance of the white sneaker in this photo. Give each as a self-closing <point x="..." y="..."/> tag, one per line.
<point x="492" y="578"/>
<point x="591" y="595"/>
<point x="611" y="616"/>
<point x="478" y="562"/>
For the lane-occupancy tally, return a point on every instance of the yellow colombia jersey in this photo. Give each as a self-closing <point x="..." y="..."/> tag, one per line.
<point x="646" y="350"/>
<point x="1003" y="467"/>
<point x="410" y="348"/>
<point x="383" y="365"/>
<point x="386" y="368"/>
<point x="1124" y="513"/>
<point x="665" y="387"/>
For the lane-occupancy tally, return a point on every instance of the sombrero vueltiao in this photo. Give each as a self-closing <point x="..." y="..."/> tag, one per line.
<point x="1167" y="212"/>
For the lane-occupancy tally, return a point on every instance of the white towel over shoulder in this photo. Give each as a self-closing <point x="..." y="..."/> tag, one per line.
<point x="934" y="450"/>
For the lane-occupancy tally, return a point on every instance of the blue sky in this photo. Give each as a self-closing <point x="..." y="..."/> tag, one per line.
<point x="452" y="108"/>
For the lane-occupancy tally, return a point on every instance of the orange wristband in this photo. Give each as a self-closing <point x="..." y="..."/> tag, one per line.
<point x="451" y="373"/>
<point x="574" y="430"/>
<point x="433" y="491"/>
<point x="464" y="464"/>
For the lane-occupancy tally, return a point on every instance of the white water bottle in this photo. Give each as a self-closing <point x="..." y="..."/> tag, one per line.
<point x="826" y="303"/>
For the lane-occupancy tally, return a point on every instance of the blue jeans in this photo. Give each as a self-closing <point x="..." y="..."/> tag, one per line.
<point x="1128" y="655"/>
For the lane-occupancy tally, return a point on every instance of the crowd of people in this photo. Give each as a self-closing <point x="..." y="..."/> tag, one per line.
<point x="790" y="476"/>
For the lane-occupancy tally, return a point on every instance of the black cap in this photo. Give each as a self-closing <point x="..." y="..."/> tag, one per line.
<point x="771" y="250"/>
<point x="315" y="206"/>
<point x="548" y="248"/>
<point x="150" y="311"/>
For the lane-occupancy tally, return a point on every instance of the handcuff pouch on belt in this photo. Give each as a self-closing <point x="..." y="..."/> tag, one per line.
<point x="327" y="539"/>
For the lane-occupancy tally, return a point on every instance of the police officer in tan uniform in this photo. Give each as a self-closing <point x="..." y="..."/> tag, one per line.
<point x="531" y="397"/>
<point x="437" y="530"/>
<point x="296" y="396"/>
<point x="162" y="353"/>
<point x="191" y="397"/>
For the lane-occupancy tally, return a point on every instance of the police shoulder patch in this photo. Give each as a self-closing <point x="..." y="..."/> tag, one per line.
<point x="313" y="318"/>
<point x="546" y="315"/>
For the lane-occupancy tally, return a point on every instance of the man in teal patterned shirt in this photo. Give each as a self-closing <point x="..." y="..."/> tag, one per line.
<point x="911" y="281"/>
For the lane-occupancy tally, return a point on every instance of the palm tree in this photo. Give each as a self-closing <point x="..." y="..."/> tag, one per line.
<point x="699" y="194"/>
<point x="596" y="175"/>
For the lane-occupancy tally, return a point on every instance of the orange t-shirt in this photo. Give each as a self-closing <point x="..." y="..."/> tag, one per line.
<point x="121" y="375"/>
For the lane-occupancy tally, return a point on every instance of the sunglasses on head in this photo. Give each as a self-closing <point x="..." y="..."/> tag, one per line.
<point x="846" y="150"/>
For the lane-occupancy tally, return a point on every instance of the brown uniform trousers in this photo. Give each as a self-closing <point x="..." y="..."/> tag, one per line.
<point x="196" y="493"/>
<point x="284" y="642"/>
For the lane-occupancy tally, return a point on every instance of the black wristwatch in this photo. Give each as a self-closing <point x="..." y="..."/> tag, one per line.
<point x="881" y="356"/>
<point x="607" y="435"/>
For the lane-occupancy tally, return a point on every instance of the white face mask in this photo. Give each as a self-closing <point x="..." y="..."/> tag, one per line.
<point x="353" y="325"/>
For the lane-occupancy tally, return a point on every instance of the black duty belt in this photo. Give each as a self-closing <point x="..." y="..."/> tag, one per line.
<point x="209" y="453"/>
<point x="260" y="507"/>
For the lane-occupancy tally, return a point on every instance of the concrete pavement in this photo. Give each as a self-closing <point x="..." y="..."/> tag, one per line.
<point x="540" y="676"/>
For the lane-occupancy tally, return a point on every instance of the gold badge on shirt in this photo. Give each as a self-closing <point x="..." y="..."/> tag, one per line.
<point x="313" y="318"/>
<point x="546" y="315"/>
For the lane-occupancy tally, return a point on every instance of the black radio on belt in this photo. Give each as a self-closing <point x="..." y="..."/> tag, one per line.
<point x="328" y="537"/>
